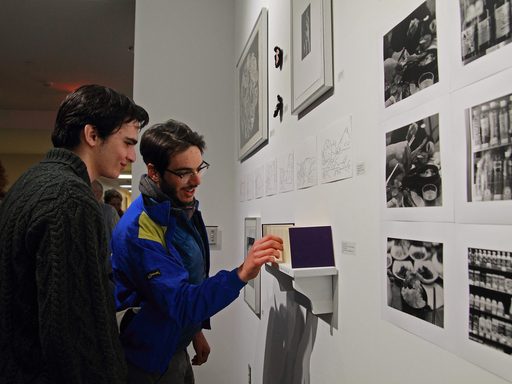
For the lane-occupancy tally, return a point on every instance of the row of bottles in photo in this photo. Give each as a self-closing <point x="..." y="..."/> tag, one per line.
<point x="492" y="259"/>
<point x="493" y="175"/>
<point x="492" y="281"/>
<point x="490" y="306"/>
<point x="491" y="123"/>
<point x="491" y="329"/>
<point x="486" y="23"/>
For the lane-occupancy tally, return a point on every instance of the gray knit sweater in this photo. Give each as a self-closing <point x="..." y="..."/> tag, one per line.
<point x="57" y="322"/>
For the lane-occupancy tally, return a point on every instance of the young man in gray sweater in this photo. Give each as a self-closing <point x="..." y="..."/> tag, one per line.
<point x="57" y="322"/>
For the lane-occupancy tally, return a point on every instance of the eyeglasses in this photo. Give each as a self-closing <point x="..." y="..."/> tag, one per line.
<point x="186" y="174"/>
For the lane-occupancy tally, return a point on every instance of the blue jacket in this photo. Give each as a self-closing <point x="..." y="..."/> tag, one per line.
<point x="149" y="273"/>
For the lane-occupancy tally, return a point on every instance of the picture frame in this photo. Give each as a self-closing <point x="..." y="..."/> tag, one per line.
<point x="252" y="290"/>
<point x="281" y="230"/>
<point x="312" y="56"/>
<point x="252" y="89"/>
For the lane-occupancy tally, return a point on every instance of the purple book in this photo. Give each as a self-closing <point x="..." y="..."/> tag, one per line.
<point x="311" y="247"/>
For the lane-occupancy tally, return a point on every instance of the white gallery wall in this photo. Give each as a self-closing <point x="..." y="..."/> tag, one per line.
<point x="186" y="53"/>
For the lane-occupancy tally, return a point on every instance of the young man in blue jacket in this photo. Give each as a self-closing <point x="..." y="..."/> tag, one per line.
<point x="161" y="260"/>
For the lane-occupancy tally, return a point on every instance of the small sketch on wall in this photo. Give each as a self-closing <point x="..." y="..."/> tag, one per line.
<point x="259" y="182"/>
<point x="335" y="151"/>
<point x="242" y="188"/>
<point x="250" y="186"/>
<point x="271" y="177"/>
<point x="286" y="172"/>
<point x="306" y="164"/>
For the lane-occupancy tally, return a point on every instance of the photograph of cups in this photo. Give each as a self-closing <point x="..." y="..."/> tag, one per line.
<point x="415" y="279"/>
<point x="413" y="165"/>
<point x="490" y="298"/>
<point x="490" y="159"/>
<point x="410" y="54"/>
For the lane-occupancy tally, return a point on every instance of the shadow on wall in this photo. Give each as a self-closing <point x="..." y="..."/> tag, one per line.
<point x="289" y="343"/>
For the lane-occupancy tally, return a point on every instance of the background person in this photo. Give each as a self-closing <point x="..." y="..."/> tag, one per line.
<point x="110" y="218"/>
<point x="161" y="260"/>
<point x="57" y="322"/>
<point x="115" y="199"/>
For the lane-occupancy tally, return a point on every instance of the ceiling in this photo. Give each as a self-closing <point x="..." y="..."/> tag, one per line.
<point x="51" y="47"/>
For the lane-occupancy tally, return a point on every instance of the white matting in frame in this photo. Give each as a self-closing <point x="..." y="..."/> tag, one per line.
<point x="436" y="325"/>
<point x="252" y="90"/>
<point x="471" y="100"/>
<point x="252" y="290"/>
<point x="312" y="68"/>
<point x="408" y="181"/>
<point x="494" y="61"/>
<point x="481" y="350"/>
<point x="423" y="95"/>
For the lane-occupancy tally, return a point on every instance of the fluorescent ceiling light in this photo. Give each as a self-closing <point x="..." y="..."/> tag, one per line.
<point x="126" y="186"/>
<point x="125" y="176"/>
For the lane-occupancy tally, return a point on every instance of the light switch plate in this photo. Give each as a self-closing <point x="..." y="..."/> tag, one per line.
<point x="212" y="232"/>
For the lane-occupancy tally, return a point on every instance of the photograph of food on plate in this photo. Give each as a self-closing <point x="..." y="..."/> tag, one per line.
<point x="413" y="165"/>
<point x="410" y="54"/>
<point x="415" y="278"/>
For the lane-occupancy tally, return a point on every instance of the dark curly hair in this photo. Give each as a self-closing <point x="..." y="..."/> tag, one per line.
<point x="161" y="141"/>
<point x="96" y="105"/>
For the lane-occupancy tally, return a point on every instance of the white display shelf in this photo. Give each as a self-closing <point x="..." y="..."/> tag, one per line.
<point x="316" y="284"/>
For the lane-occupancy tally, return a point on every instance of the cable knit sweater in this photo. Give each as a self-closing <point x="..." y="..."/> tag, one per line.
<point x="57" y="316"/>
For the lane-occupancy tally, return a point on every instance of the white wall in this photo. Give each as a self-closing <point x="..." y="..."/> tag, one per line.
<point x="185" y="57"/>
<point x="184" y="70"/>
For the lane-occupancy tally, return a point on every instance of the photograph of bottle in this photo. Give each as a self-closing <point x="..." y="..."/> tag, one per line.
<point x="485" y="27"/>
<point x="490" y="167"/>
<point x="490" y="298"/>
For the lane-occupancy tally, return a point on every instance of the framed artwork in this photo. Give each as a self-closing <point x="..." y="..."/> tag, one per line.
<point x="252" y="90"/>
<point x="484" y="28"/>
<point x="410" y="54"/>
<point x="311" y="51"/>
<point x="252" y="290"/>
<point x="482" y="119"/>
<point x="419" y="286"/>
<point x="281" y="230"/>
<point x="484" y="297"/>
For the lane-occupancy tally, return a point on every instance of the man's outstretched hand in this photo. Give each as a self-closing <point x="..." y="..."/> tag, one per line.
<point x="264" y="250"/>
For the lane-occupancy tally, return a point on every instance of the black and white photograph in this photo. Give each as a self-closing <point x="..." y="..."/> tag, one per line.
<point x="490" y="158"/>
<point x="252" y="291"/>
<point x="252" y="90"/>
<point x="485" y="27"/>
<point x="413" y="165"/>
<point x="411" y="54"/>
<point x="311" y="52"/>
<point x="306" y="31"/>
<point x="415" y="279"/>
<point x="490" y="294"/>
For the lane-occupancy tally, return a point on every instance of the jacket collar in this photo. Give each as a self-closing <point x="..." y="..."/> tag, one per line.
<point x="67" y="157"/>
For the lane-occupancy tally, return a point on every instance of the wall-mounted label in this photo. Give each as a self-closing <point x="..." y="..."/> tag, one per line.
<point x="348" y="248"/>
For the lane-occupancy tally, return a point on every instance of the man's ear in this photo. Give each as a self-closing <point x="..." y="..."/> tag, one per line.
<point x="153" y="173"/>
<point x="91" y="137"/>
